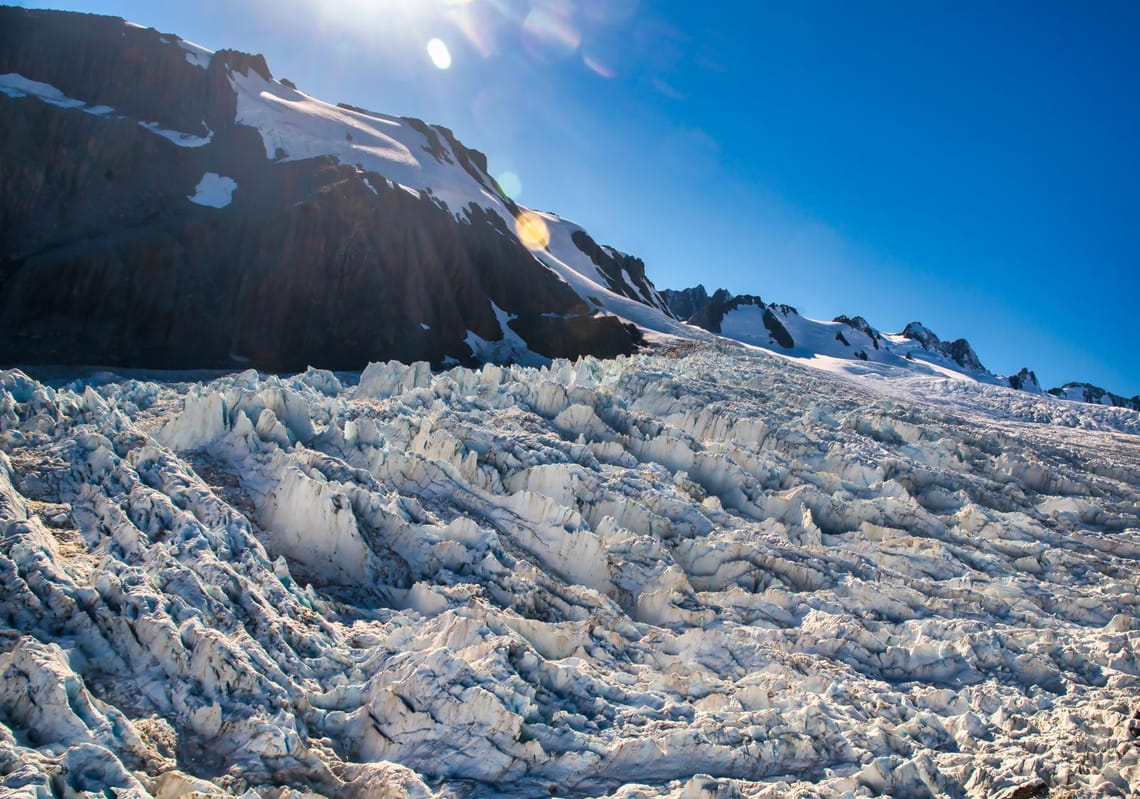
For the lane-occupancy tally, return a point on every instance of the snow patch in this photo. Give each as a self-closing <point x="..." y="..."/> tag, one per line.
<point x="177" y="137"/>
<point x="17" y="86"/>
<point x="511" y="348"/>
<point x="196" y="54"/>
<point x="214" y="191"/>
<point x="746" y="324"/>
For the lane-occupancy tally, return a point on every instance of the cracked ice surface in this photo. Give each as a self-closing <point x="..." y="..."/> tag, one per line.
<point x="700" y="573"/>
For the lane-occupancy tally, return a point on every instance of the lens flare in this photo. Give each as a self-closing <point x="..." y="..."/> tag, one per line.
<point x="532" y="231"/>
<point x="548" y="34"/>
<point x="439" y="54"/>
<point x="596" y="66"/>
<point x="510" y="183"/>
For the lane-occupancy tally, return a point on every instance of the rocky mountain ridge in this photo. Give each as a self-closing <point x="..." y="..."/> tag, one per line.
<point x="782" y="328"/>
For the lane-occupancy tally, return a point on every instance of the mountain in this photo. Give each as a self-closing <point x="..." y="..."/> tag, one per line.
<point x="747" y="318"/>
<point x="167" y="206"/>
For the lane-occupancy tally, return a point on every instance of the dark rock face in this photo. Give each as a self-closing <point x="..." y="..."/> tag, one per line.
<point x="709" y="311"/>
<point x="778" y="331"/>
<point x="624" y="273"/>
<point x="104" y="261"/>
<point x="684" y="303"/>
<point x="958" y="351"/>
<point x="322" y="281"/>
<point x="916" y="331"/>
<point x="863" y="326"/>
<point x="103" y="62"/>
<point x="963" y="354"/>
<point x="711" y="314"/>
<point x="556" y="338"/>
<point x="1025" y="380"/>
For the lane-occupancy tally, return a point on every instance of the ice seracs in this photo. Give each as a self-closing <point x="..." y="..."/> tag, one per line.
<point x="712" y="572"/>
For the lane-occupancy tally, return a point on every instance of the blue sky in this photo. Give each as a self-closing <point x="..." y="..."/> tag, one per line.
<point x="973" y="165"/>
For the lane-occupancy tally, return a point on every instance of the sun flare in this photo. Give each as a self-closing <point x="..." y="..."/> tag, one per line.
<point x="532" y="231"/>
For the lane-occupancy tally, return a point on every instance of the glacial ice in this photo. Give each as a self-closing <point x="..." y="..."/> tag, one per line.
<point x="698" y="572"/>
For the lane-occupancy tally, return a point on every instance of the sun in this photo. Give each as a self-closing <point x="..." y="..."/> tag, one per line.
<point x="439" y="53"/>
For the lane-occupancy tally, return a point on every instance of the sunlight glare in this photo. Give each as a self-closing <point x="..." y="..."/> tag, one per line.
<point x="439" y="54"/>
<point x="532" y="231"/>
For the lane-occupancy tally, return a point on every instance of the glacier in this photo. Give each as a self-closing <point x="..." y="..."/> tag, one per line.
<point x="700" y="571"/>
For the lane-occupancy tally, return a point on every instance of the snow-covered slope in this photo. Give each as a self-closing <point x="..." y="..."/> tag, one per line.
<point x="294" y="127"/>
<point x="424" y="158"/>
<point x="705" y="574"/>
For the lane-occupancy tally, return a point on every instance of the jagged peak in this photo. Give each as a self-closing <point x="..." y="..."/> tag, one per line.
<point x="917" y="331"/>
<point x="856" y="322"/>
<point x="784" y="308"/>
<point x="747" y="299"/>
<point x="1025" y="380"/>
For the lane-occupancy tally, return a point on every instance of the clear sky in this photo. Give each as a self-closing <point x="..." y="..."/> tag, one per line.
<point x="972" y="165"/>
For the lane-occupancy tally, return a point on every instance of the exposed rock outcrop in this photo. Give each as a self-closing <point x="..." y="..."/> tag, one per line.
<point x="683" y="303"/>
<point x="958" y="350"/>
<point x="778" y="331"/>
<point x="711" y="316"/>
<point x="624" y="274"/>
<point x="863" y="326"/>
<point x="1025" y="380"/>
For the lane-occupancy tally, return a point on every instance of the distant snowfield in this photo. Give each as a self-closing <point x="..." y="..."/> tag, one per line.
<point x="708" y="573"/>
